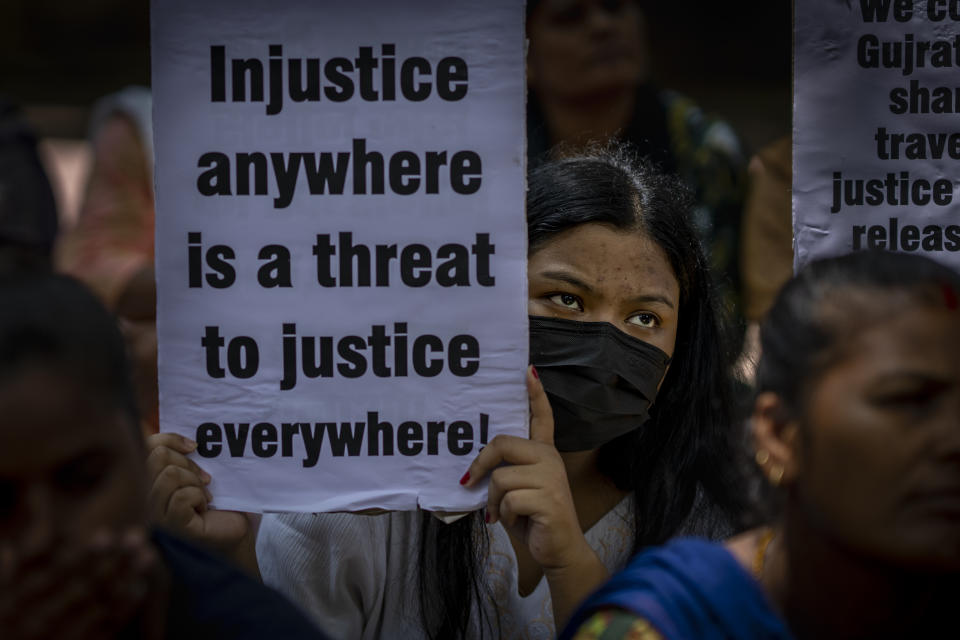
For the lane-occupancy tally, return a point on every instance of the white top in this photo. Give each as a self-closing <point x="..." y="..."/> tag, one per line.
<point x="355" y="574"/>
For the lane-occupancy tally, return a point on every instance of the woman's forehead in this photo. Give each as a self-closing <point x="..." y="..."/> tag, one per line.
<point x="890" y="330"/>
<point x="848" y="311"/>
<point x="47" y="410"/>
<point x="605" y="251"/>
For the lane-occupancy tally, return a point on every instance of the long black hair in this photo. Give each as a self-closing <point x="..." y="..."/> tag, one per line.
<point x="687" y="449"/>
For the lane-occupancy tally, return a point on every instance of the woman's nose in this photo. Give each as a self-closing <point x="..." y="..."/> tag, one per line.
<point x="601" y="315"/>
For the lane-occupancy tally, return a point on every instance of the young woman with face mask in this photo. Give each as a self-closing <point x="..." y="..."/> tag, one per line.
<point x="630" y="435"/>
<point x="591" y="76"/>
<point x="857" y="422"/>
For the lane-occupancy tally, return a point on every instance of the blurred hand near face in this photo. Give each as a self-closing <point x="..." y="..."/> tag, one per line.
<point x="530" y="495"/>
<point x="77" y="591"/>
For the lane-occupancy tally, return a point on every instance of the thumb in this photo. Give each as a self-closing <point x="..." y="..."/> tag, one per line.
<point x="541" y="415"/>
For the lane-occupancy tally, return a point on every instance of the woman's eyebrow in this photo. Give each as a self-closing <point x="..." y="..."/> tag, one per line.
<point x="563" y="276"/>
<point x="910" y="376"/>
<point x="652" y="297"/>
<point x="645" y="298"/>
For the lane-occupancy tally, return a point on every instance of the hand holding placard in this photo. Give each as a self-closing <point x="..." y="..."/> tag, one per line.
<point x="179" y="499"/>
<point x="529" y="494"/>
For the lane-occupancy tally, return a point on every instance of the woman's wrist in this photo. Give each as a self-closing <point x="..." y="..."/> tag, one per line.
<point x="571" y="582"/>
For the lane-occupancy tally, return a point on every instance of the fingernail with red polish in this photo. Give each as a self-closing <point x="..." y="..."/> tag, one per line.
<point x="535" y="374"/>
<point x="486" y="518"/>
<point x="466" y="478"/>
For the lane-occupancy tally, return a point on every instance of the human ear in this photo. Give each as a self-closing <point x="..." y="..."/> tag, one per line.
<point x="775" y="439"/>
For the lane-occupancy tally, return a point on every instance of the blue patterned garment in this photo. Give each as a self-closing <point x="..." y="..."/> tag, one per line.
<point x="689" y="589"/>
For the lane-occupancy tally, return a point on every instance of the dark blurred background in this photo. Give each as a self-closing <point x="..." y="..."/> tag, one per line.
<point x="58" y="56"/>
<point x="733" y="58"/>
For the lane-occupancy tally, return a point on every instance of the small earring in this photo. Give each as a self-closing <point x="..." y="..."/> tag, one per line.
<point x="776" y="475"/>
<point x="762" y="457"/>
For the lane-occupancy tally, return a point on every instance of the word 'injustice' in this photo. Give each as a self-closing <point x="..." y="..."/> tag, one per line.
<point x="373" y="78"/>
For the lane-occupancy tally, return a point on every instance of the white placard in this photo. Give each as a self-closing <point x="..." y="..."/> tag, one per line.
<point x="341" y="245"/>
<point x="876" y="127"/>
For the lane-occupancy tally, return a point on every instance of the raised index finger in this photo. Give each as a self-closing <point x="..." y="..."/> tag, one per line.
<point x="541" y="415"/>
<point x="502" y="449"/>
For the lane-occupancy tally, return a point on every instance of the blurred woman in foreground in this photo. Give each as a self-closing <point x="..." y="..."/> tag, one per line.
<point x="857" y="421"/>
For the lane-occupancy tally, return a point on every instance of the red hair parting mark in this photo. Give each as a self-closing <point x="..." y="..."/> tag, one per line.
<point x="949" y="296"/>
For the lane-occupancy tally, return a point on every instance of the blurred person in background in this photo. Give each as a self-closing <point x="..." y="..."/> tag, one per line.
<point x="28" y="211"/>
<point x="766" y="258"/>
<point x="857" y="427"/>
<point x="111" y="247"/>
<point x="589" y="74"/>
<point x="77" y="558"/>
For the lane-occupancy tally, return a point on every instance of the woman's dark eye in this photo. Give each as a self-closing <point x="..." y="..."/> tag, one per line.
<point x="572" y="13"/>
<point x="902" y="399"/>
<point x="567" y="300"/>
<point x="613" y="6"/>
<point x="914" y="399"/>
<point x="83" y="474"/>
<point x="647" y="320"/>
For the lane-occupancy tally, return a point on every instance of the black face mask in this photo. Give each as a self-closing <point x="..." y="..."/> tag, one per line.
<point x="600" y="381"/>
